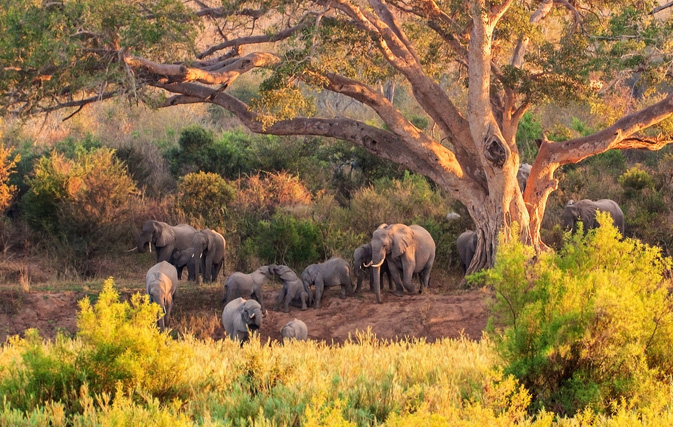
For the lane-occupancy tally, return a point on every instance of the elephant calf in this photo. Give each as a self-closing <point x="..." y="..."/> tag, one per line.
<point x="294" y="329"/>
<point x="294" y="290"/>
<point x="184" y="258"/>
<point x="241" y="316"/>
<point x="248" y="285"/>
<point x="161" y="284"/>
<point x="333" y="272"/>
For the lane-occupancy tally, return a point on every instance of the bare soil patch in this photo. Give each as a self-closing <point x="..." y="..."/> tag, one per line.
<point x="431" y="315"/>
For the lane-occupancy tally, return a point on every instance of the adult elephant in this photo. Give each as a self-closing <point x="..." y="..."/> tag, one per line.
<point x="467" y="244"/>
<point x="585" y="211"/>
<point x="165" y="238"/>
<point x="361" y="257"/>
<point x="209" y="247"/>
<point x="241" y="316"/>
<point x="333" y="272"/>
<point x="248" y="285"/>
<point x="407" y="250"/>
<point x="161" y="284"/>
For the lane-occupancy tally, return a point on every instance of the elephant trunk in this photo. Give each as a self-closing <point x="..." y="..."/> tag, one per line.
<point x="376" y="272"/>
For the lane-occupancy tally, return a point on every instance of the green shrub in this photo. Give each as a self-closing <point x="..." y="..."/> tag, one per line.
<point x="118" y="348"/>
<point x="528" y="131"/>
<point x="204" y="198"/>
<point x="635" y="179"/>
<point x="587" y="326"/>
<point x="8" y="161"/>
<point x="286" y="240"/>
<point x="82" y="205"/>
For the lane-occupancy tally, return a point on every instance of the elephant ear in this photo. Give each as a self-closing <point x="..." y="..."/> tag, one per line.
<point x="402" y="239"/>
<point x="164" y="235"/>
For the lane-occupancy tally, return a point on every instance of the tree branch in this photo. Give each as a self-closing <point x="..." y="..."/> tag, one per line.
<point x="662" y="7"/>
<point x="265" y="38"/>
<point x="224" y="76"/>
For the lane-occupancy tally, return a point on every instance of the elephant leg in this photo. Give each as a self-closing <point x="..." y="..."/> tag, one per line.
<point x="280" y="298"/>
<point x="216" y="270"/>
<point x="257" y="296"/>
<point x="303" y="296"/>
<point x="395" y="274"/>
<point x="208" y="271"/>
<point x="319" y="289"/>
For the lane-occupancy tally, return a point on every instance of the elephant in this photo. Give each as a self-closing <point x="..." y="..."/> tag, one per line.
<point x="184" y="258"/>
<point x="407" y="250"/>
<point x="362" y="256"/>
<point x="161" y="283"/>
<point x="294" y="290"/>
<point x="239" y="317"/>
<point x="294" y="329"/>
<point x="585" y="211"/>
<point x="166" y="238"/>
<point x="522" y="175"/>
<point x="248" y="285"/>
<point x="333" y="272"/>
<point x="209" y="247"/>
<point x="467" y="244"/>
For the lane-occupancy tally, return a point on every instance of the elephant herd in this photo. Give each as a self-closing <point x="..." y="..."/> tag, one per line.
<point x="397" y="250"/>
<point x="583" y="211"/>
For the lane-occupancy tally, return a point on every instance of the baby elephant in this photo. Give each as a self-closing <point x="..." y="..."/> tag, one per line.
<point x="184" y="258"/>
<point x="247" y="285"/>
<point x="241" y="316"/>
<point x="294" y="329"/>
<point x="333" y="272"/>
<point x="294" y="289"/>
<point x="161" y="283"/>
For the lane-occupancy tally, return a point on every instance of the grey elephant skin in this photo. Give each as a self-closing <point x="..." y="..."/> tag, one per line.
<point x="407" y="250"/>
<point x="294" y="329"/>
<point x="161" y="283"/>
<point x="165" y="238"/>
<point x="294" y="290"/>
<point x="467" y="244"/>
<point x="585" y="211"/>
<point x="184" y="258"/>
<point x="248" y="286"/>
<point x="241" y="316"/>
<point x="362" y="256"/>
<point x="333" y="272"/>
<point x="522" y="175"/>
<point x="209" y="248"/>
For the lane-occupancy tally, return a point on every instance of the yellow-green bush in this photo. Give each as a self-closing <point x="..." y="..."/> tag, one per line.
<point x="120" y="370"/>
<point x="589" y="326"/>
<point x="204" y="198"/>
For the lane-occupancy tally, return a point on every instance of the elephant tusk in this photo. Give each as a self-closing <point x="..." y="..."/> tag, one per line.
<point x="132" y="249"/>
<point x="150" y="245"/>
<point x="379" y="264"/>
<point x="367" y="265"/>
<point x="252" y="316"/>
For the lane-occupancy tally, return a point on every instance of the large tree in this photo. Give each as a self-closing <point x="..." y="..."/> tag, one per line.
<point x="474" y="66"/>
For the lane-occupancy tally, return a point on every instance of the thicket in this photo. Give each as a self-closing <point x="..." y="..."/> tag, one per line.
<point x="292" y="200"/>
<point x="589" y="326"/>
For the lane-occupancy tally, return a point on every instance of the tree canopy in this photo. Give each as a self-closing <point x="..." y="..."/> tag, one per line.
<point x="474" y="68"/>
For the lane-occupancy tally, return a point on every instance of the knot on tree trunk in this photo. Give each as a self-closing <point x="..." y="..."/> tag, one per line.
<point x="495" y="151"/>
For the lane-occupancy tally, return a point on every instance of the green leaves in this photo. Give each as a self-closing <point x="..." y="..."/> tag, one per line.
<point x="586" y="326"/>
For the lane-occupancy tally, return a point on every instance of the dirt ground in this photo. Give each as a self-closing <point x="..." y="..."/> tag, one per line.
<point x="50" y="306"/>
<point x="432" y="315"/>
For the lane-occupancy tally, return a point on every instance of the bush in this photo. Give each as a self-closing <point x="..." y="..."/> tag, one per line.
<point x="118" y="348"/>
<point x="590" y="325"/>
<point x="204" y="198"/>
<point x="635" y="179"/>
<point x="82" y="205"/>
<point x="286" y="240"/>
<point x="8" y="162"/>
